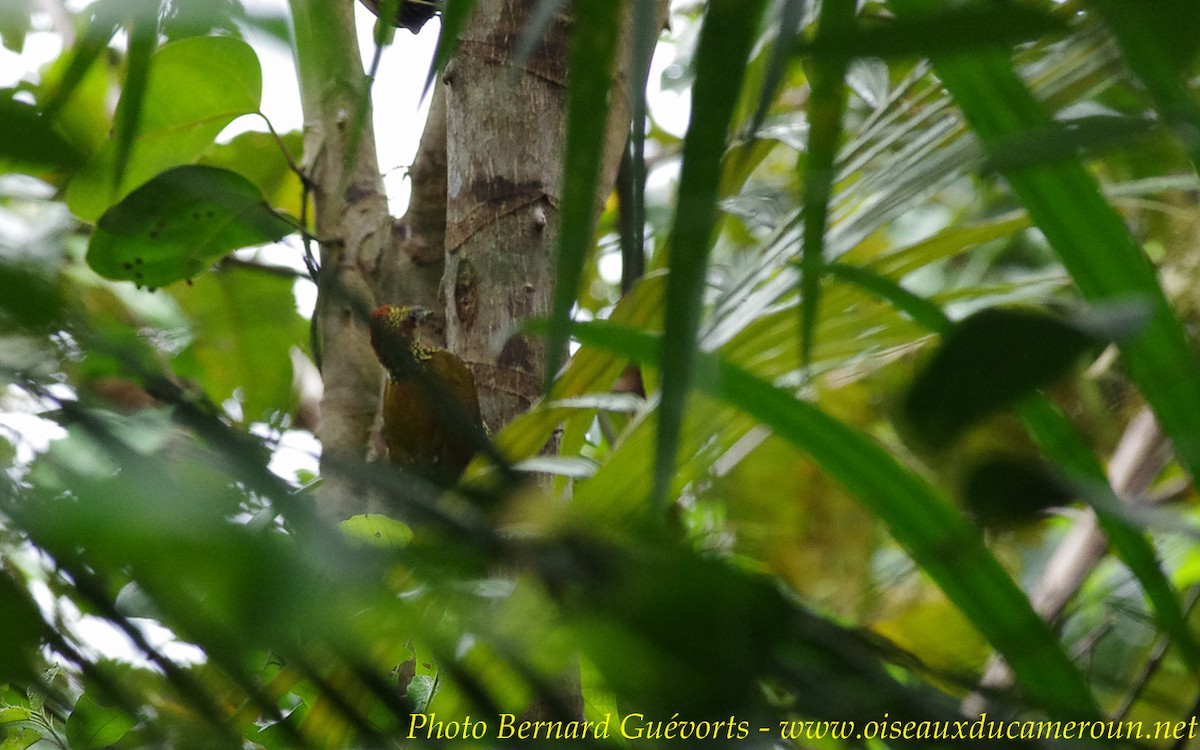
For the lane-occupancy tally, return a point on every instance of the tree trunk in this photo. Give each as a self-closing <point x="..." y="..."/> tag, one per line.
<point x="506" y="137"/>
<point x="504" y="170"/>
<point x="354" y="227"/>
<point x="504" y="158"/>
<point x="484" y="219"/>
<point x="504" y="165"/>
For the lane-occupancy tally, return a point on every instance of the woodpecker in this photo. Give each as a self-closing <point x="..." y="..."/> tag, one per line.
<point x="410" y="14"/>
<point x="423" y="436"/>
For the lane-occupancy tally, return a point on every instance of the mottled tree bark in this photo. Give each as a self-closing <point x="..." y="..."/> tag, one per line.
<point x="504" y="183"/>
<point x="504" y="165"/>
<point x="506" y="138"/>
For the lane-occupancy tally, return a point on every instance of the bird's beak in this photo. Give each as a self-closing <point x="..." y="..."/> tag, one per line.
<point x="421" y="314"/>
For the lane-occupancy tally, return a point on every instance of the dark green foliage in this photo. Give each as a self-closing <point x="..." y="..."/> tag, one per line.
<point x="179" y="223"/>
<point x="984" y="364"/>
<point x="28" y="139"/>
<point x="22" y="632"/>
<point x="725" y="44"/>
<point x="1004" y="492"/>
<point x="30" y="300"/>
<point x="800" y="560"/>
<point x="593" y="46"/>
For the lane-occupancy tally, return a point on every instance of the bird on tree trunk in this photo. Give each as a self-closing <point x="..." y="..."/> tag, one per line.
<point x="430" y="404"/>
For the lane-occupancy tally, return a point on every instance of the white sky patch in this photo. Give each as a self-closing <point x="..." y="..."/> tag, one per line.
<point x="305" y="293"/>
<point x="41" y="48"/>
<point x="610" y="267"/>
<point x="29" y="433"/>
<point x="295" y="451"/>
<point x="109" y="641"/>
<point x="670" y="109"/>
<point x="99" y="637"/>
<point x="400" y="110"/>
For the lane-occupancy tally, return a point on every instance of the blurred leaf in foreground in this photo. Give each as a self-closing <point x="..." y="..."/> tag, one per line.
<point x="1003" y="491"/>
<point x="993" y="357"/>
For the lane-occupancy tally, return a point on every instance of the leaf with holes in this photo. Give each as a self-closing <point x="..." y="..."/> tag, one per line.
<point x="179" y="223"/>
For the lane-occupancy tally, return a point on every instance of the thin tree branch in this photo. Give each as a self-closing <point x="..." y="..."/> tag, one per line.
<point x="1141" y="455"/>
<point x="1157" y="656"/>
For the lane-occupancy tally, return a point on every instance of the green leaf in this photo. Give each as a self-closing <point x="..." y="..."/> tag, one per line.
<point x="92" y="726"/>
<point x="1159" y="43"/>
<point x="1072" y="456"/>
<point x="1055" y="434"/>
<point x="377" y="530"/>
<point x="985" y="363"/>
<point x="631" y="177"/>
<point x="195" y="87"/>
<point x="594" y="40"/>
<point x="1087" y="234"/>
<point x="179" y="223"/>
<point x="1006" y="491"/>
<point x="92" y="43"/>
<point x="84" y="117"/>
<point x="648" y="625"/>
<point x="574" y="467"/>
<point x="791" y="16"/>
<point x="1067" y="139"/>
<point x="29" y="139"/>
<point x="726" y="39"/>
<point x="1060" y="441"/>
<point x="30" y="300"/>
<point x="14" y="23"/>
<point x="917" y="515"/>
<point x="20" y="738"/>
<point x="938" y="30"/>
<point x="20" y="632"/>
<point x="260" y="158"/>
<point x="10" y="714"/>
<point x="132" y="601"/>
<point x="827" y="102"/>
<point x="921" y="310"/>
<point x="246" y="324"/>
<point x="590" y="370"/>
<point x="626" y="403"/>
<point x="142" y="27"/>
